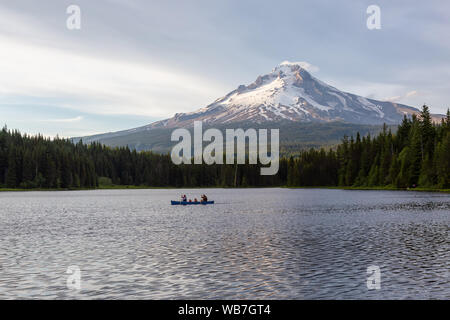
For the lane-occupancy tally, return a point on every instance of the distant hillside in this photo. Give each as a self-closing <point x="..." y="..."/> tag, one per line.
<point x="293" y="136"/>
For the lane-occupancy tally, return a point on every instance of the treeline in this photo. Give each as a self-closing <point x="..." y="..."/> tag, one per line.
<point x="29" y="162"/>
<point x="418" y="154"/>
<point x="36" y="162"/>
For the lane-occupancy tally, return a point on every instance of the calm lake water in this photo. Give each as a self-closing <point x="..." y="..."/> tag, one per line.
<point x="252" y="244"/>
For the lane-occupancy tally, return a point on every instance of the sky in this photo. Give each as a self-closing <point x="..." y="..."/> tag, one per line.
<point x="133" y="62"/>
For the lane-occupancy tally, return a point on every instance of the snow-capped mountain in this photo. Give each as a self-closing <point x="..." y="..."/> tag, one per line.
<point x="290" y="93"/>
<point x="308" y="110"/>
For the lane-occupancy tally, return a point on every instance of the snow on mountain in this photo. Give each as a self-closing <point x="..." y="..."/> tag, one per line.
<point x="291" y="93"/>
<point x="288" y="94"/>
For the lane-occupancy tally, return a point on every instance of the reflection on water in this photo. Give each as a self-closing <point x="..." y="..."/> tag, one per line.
<point x="252" y="244"/>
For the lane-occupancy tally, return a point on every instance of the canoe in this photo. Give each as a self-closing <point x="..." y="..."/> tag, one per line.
<point x="184" y="203"/>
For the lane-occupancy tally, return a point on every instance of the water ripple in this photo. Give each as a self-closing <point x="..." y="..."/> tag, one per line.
<point x="253" y="244"/>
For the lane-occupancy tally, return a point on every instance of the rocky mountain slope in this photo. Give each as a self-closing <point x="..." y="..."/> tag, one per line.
<point x="289" y="95"/>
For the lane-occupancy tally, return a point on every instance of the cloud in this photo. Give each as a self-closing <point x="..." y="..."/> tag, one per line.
<point x="411" y="93"/>
<point x="305" y="65"/>
<point x="401" y="97"/>
<point x="95" y="85"/>
<point x="139" y="58"/>
<point x="76" y="119"/>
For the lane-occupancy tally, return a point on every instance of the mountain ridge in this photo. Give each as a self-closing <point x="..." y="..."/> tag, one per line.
<point x="288" y="94"/>
<point x="291" y="93"/>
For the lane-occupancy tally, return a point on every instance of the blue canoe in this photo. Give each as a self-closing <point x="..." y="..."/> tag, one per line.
<point x="184" y="203"/>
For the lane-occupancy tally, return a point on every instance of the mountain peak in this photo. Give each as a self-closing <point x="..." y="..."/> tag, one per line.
<point x="293" y="66"/>
<point x="291" y="93"/>
<point x="289" y="97"/>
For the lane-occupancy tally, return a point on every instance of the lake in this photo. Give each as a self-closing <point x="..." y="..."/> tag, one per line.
<point x="251" y="244"/>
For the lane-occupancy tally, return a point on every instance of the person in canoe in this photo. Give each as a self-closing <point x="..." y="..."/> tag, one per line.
<point x="204" y="198"/>
<point x="183" y="198"/>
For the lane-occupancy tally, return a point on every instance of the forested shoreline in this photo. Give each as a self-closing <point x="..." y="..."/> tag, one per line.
<point x="417" y="155"/>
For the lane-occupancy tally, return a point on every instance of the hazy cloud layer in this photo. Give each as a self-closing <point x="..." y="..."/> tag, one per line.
<point x="144" y="60"/>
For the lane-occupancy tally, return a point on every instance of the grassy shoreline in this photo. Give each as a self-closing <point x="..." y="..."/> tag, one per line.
<point x="376" y="188"/>
<point x="123" y="187"/>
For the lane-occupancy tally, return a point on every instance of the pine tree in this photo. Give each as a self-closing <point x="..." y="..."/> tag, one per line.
<point x="415" y="155"/>
<point x="403" y="178"/>
<point x="447" y="121"/>
<point x="427" y="176"/>
<point x="3" y="156"/>
<point x="403" y="132"/>
<point x="66" y="172"/>
<point x="443" y="162"/>
<point x="373" y="179"/>
<point x="427" y="132"/>
<point x="394" y="171"/>
<point x="27" y="170"/>
<point x="11" y="176"/>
